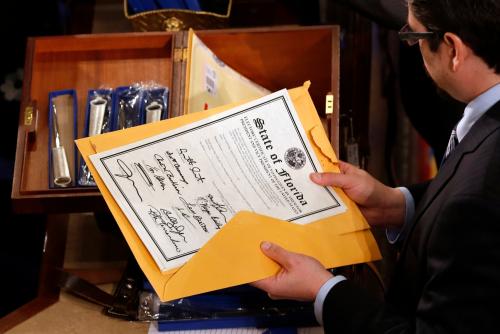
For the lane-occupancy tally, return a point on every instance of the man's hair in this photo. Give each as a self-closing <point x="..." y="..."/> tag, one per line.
<point x="476" y="22"/>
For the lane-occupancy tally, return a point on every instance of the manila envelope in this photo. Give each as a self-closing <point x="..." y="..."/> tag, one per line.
<point x="233" y="255"/>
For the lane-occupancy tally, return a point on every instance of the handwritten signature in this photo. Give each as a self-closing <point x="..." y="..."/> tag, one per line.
<point x="173" y="162"/>
<point x="175" y="184"/>
<point x="207" y="205"/>
<point x="127" y="174"/>
<point x="160" y="161"/>
<point x="182" y="152"/>
<point x="159" y="178"/>
<point x="172" y="228"/>
<point x="197" y="174"/>
<point x="191" y="209"/>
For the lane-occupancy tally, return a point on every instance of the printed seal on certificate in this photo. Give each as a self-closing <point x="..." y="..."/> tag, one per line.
<point x="295" y="158"/>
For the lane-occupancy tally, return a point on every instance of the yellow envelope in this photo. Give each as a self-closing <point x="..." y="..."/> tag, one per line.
<point x="233" y="255"/>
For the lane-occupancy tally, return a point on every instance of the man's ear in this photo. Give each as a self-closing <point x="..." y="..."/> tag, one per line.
<point x="457" y="50"/>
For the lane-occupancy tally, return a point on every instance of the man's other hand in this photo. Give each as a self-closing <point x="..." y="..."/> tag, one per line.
<point x="381" y="205"/>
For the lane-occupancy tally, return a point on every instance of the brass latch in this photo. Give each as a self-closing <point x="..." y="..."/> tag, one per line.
<point x="30" y="120"/>
<point x="28" y="116"/>
<point x="329" y="104"/>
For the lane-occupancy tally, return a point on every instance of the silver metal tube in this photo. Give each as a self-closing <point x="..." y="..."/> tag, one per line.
<point x="96" y="117"/>
<point x="153" y="112"/>
<point x="62" y="176"/>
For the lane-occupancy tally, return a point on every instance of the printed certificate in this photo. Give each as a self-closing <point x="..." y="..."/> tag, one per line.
<point x="179" y="188"/>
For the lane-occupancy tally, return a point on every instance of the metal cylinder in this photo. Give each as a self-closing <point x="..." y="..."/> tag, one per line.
<point x="153" y="112"/>
<point x="62" y="177"/>
<point x="96" y="118"/>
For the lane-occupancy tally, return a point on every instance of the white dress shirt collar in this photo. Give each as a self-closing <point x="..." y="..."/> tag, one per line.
<point x="476" y="108"/>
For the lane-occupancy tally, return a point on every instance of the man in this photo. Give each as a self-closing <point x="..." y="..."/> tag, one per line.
<point x="447" y="278"/>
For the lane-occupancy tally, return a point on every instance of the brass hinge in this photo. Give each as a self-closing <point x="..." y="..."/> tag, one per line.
<point x="180" y="54"/>
<point x="28" y="116"/>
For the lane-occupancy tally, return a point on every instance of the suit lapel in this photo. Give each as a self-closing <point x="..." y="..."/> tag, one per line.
<point x="483" y="128"/>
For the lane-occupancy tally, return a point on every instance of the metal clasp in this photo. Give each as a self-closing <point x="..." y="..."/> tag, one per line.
<point x="28" y="116"/>
<point x="329" y="104"/>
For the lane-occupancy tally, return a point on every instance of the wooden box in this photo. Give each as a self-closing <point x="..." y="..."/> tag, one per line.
<point x="275" y="58"/>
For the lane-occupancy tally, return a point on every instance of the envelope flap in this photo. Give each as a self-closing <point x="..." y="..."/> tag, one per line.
<point x="320" y="140"/>
<point x="232" y="261"/>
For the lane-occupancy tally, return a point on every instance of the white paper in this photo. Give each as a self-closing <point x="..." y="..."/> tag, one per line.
<point x="179" y="188"/>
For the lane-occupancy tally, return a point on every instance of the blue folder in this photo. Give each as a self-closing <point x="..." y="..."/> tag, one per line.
<point x="241" y="306"/>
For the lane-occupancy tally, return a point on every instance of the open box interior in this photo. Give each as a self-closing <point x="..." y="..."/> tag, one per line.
<point x="84" y="63"/>
<point x="275" y="59"/>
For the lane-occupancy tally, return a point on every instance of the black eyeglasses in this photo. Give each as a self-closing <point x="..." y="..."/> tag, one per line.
<point x="411" y="37"/>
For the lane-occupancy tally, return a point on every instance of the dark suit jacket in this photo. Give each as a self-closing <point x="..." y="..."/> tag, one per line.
<point x="447" y="279"/>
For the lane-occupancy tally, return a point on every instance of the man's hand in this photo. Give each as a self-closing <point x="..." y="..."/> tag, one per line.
<point x="381" y="205"/>
<point x="299" y="278"/>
